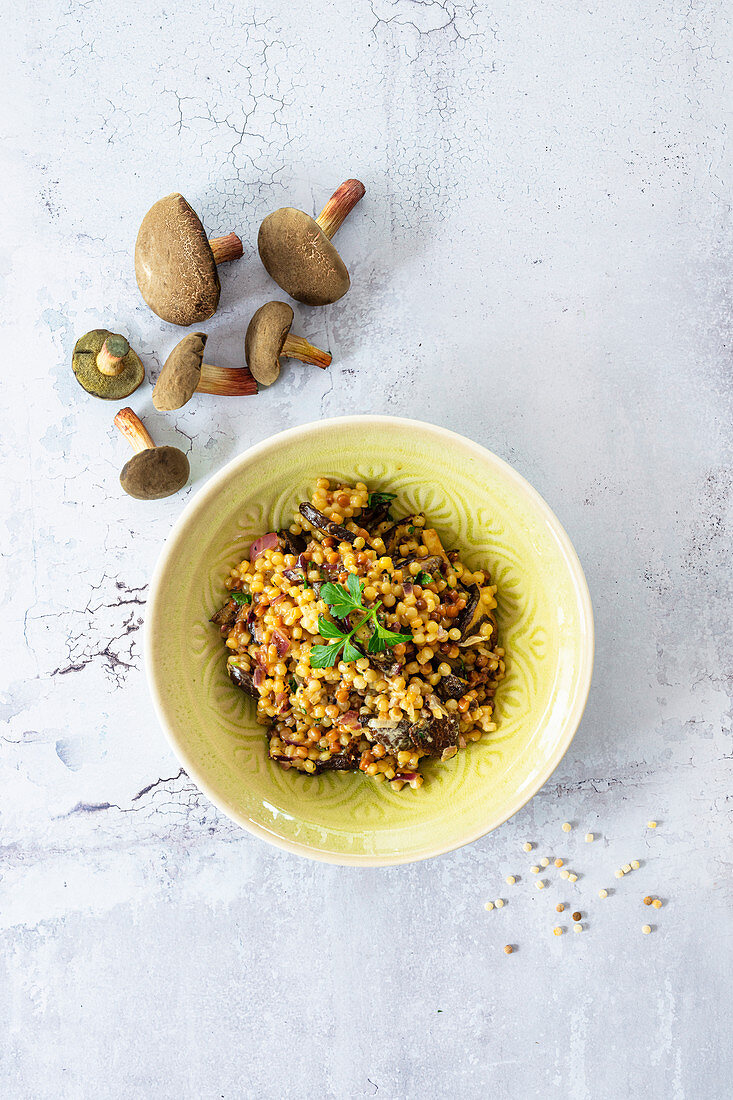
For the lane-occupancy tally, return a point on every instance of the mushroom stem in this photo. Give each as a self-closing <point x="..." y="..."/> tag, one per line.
<point x="341" y="203"/>
<point x="110" y="360"/>
<point x="226" y="381"/>
<point x="226" y="248"/>
<point x="133" y="430"/>
<point x="295" y="347"/>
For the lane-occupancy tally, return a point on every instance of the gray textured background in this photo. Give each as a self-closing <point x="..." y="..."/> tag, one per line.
<point x="540" y="263"/>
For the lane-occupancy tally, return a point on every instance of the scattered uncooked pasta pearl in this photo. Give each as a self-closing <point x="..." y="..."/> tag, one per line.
<point x="577" y="928"/>
<point x="577" y="916"/>
<point x="508" y="949"/>
<point x="559" y="907"/>
<point x="535" y="870"/>
<point x="651" y="824"/>
<point x="589" y="838"/>
<point x="619" y="873"/>
<point x="572" y="878"/>
<point x="635" y="865"/>
<point x="566" y="827"/>
<point x="540" y="885"/>
<point x="646" y="929"/>
<point x="603" y="893"/>
<point x="657" y="903"/>
<point x="564" y="874"/>
<point x="489" y="906"/>
<point x="499" y="903"/>
<point x="510" y="880"/>
<point x="557" y="931"/>
<point x="626" y="868"/>
<point x="544" y="862"/>
<point x="558" y="862"/>
<point x="647" y="900"/>
<point x="527" y="846"/>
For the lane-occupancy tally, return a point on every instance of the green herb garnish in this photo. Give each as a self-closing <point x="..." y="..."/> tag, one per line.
<point x="241" y="598"/>
<point x="343" y="600"/>
<point x="424" y="578"/>
<point x="380" y="498"/>
<point x="293" y="684"/>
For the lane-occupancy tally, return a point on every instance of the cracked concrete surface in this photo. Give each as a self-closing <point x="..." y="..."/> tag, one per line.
<point x="542" y="261"/>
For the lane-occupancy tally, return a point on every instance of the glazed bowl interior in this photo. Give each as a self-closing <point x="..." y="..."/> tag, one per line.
<point x="479" y="506"/>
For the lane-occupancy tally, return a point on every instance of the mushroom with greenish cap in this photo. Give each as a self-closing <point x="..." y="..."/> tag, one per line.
<point x="268" y="338"/>
<point x="175" y="262"/>
<point x="297" y="251"/>
<point x="185" y="373"/>
<point x="105" y="365"/>
<point x="152" y="472"/>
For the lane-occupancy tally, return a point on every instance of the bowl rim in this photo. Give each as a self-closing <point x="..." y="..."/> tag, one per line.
<point x="580" y="587"/>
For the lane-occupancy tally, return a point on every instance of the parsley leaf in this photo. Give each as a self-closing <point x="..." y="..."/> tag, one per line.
<point x="241" y="598"/>
<point x="325" y="656"/>
<point x="340" y="599"/>
<point x="351" y="653"/>
<point x="390" y="637"/>
<point x="380" y="498"/>
<point x="329" y="630"/>
<point x="424" y="578"/>
<point x="376" y="644"/>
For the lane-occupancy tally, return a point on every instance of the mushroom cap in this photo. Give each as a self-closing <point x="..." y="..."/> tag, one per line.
<point x="265" y="337"/>
<point x="174" y="264"/>
<point x="301" y="259"/>
<point x="155" y="473"/>
<point x="181" y="373"/>
<point x="88" y="375"/>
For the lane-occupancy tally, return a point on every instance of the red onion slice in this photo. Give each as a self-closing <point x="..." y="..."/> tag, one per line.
<point x="265" y="542"/>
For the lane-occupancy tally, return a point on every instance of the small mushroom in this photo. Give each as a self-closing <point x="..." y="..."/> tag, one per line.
<point x="185" y="373"/>
<point x="297" y="251"/>
<point x="152" y="472"/>
<point x="175" y="262"/>
<point x="268" y="339"/>
<point x="105" y="365"/>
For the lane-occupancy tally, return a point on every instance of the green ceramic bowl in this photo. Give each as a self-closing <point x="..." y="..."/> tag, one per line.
<point x="480" y="506"/>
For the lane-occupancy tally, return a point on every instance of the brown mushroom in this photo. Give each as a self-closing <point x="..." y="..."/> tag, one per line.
<point x="297" y="251"/>
<point x="175" y="262"/>
<point x="105" y="365"/>
<point x="185" y="373"/>
<point x="268" y="339"/>
<point x="152" y="472"/>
